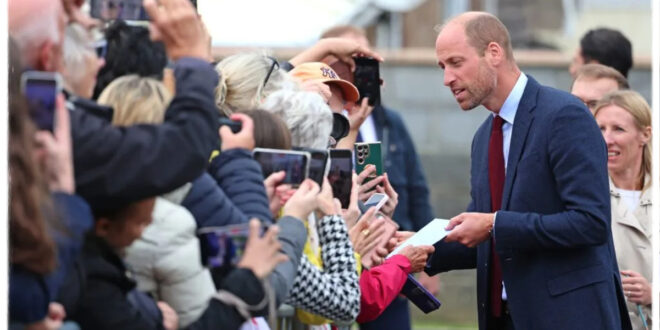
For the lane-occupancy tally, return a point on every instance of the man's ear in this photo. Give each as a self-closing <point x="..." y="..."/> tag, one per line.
<point x="46" y="58"/>
<point x="494" y="54"/>
<point x="102" y="227"/>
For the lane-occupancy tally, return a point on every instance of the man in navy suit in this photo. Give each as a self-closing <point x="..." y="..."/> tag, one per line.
<point x="538" y="224"/>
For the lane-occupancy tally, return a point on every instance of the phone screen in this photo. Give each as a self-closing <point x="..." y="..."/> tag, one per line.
<point x="294" y="164"/>
<point x="127" y="10"/>
<point x="41" y="94"/>
<point x="223" y="246"/>
<point x="376" y="200"/>
<point x="340" y="175"/>
<point x="367" y="79"/>
<point x="317" y="163"/>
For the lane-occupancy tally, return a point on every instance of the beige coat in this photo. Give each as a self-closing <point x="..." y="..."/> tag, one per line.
<point x="632" y="241"/>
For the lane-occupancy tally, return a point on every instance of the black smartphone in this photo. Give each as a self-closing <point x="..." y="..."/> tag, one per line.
<point x="127" y="10"/>
<point x="294" y="163"/>
<point x="41" y="90"/>
<point x="234" y="125"/>
<point x="223" y="246"/>
<point x="340" y="175"/>
<point x="318" y="164"/>
<point x="367" y="79"/>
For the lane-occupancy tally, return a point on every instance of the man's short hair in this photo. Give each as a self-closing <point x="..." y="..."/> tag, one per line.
<point x="341" y="30"/>
<point x="608" y="47"/>
<point x="596" y="71"/>
<point x="484" y="29"/>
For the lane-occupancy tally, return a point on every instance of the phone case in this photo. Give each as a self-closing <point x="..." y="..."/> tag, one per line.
<point x="368" y="153"/>
<point x="367" y="79"/>
<point x="418" y="295"/>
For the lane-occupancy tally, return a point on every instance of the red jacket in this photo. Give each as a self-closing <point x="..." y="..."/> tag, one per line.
<point x="380" y="285"/>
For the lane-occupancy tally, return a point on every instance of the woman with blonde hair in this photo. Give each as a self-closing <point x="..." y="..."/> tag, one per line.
<point x="624" y="118"/>
<point x="246" y="79"/>
<point x="136" y="100"/>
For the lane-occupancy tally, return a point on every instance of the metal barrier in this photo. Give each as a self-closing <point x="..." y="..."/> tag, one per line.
<point x="286" y="320"/>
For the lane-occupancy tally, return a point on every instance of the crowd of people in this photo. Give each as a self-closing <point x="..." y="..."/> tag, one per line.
<point x="109" y="211"/>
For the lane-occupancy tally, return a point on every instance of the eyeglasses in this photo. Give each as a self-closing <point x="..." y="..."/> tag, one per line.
<point x="272" y="67"/>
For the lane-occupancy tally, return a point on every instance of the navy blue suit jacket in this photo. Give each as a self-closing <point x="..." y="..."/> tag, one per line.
<point x="553" y="231"/>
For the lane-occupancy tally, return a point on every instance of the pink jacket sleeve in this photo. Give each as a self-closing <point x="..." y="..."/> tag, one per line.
<point x="380" y="285"/>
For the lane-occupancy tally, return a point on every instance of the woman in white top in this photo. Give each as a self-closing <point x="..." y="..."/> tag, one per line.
<point x="624" y="118"/>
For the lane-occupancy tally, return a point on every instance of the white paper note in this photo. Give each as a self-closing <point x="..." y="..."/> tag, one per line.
<point x="432" y="233"/>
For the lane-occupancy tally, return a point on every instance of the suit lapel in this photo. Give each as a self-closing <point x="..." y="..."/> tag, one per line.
<point x="522" y="123"/>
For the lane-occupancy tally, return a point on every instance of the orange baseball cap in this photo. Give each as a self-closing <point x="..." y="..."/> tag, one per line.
<point x="324" y="73"/>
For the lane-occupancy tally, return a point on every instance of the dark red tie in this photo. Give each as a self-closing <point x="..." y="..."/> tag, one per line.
<point x="496" y="180"/>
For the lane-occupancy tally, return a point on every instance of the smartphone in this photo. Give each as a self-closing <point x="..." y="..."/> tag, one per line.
<point x="368" y="154"/>
<point x="127" y="10"/>
<point x="367" y="79"/>
<point x="418" y="295"/>
<point x="340" y="175"/>
<point x="234" y="125"/>
<point x="376" y="200"/>
<point x="294" y="163"/>
<point x="223" y="246"/>
<point x="318" y="165"/>
<point x="41" y="90"/>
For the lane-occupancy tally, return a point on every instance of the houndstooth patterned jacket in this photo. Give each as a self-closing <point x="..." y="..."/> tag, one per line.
<point x="334" y="291"/>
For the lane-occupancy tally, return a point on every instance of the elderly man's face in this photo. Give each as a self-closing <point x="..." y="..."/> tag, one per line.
<point x="591" y="90"/>
<point x="471" y="79"/>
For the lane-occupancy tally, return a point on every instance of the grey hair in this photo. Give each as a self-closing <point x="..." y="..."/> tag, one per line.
<point x="74" y="50"/>
<point x="242" y="79"/>
<point x="306" y="115"/>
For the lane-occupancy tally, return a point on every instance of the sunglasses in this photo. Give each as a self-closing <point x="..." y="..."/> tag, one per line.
<point x="272" y="68"/>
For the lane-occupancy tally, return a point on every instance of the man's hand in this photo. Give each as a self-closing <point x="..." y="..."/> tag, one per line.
<point x="470" y="229"/>
<point x="178" y="26"/>
<point x="243" y="139"/>
<point x="636" y="288"/>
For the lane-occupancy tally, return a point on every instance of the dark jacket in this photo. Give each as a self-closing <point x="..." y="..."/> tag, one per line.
<point x="404" y="170"/>
<point x="30" y="293"/>
<point x="115" y="166"/>
<point x="232" y="191"/>
<point x="552" y="233"/>
<point x="107" y="294"/>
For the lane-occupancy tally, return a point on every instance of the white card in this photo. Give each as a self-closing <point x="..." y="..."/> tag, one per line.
<point x="432" y="233"/>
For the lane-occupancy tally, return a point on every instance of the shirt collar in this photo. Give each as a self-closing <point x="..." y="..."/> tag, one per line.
<point x="510" y="106"/>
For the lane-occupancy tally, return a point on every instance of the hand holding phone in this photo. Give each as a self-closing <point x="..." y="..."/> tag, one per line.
<point x="243" y="139"/>
<point x="376" y="201"/>
<point x="57" y="154"/>
<point x="340" y="175"/>
<point x="177" y="24"/>
<point x="367" y="79"/>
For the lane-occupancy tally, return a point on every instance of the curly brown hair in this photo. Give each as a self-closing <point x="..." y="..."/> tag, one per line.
<point x="30" y="243"/>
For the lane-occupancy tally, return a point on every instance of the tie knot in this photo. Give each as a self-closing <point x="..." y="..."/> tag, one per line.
<point x="498" y="122"/>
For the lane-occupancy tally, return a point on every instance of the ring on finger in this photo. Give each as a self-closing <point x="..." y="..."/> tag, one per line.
<point x="365" y="232"/>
